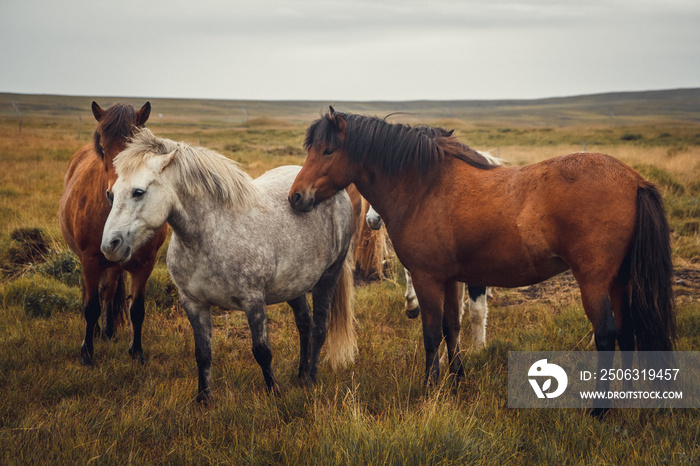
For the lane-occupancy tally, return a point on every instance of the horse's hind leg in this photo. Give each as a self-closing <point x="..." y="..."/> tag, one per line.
<point x="302" y="317"/>
<point x="431" y="295"/>
<point x="199" y="316"/>
<point x="478" y="311"/>
<point x="625" y="332"/>
<point x="91" y="308"/>
<point x="256" y="312"/>
<point x="621" y="310"/>
<point x="322" y="295"/>
<point x="451" y="324"/>
<point x="598" y="307"/>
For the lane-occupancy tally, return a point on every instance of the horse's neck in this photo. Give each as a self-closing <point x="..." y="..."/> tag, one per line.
<point x="394" y="198"/>
<point x="187" y="220"/>
<point x="193" y="219"/>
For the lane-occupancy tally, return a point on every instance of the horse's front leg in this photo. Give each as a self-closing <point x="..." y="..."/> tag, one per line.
<point x="451" y="324"/>
<point x="137" y="311"/>
<point x="256" y="312"/>
<point x="91" y="308"/>
<point x="431" y="295"/>
<point x="199" y="316"/>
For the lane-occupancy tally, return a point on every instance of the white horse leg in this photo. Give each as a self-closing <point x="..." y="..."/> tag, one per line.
<point x="478" y="311"/>
<point x="412" y="308"/>
<point x="199" y="316"/>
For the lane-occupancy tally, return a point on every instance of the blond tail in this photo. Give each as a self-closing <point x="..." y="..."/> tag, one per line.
<point x="341" y="345"/>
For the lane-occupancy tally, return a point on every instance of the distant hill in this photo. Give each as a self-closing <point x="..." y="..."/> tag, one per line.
<point x="618" y="107"/>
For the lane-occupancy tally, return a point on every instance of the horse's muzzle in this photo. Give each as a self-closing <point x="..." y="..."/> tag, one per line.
<point x="302" y="202"/>
<point x="115" y="249"/>
<point x="374" y="223"/>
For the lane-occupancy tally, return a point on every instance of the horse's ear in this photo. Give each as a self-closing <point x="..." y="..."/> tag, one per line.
<point x="449" y="133"/>
<point x="341" y="124"/>
<point x="143" y="114"/>
<point x="331" y="111"/>
<point x="166" y="159"/>
<point x="160" y="162"/>
<point x="97" y="111"/>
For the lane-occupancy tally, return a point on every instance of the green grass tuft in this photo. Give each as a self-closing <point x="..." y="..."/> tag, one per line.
<point x="41" y="296"/>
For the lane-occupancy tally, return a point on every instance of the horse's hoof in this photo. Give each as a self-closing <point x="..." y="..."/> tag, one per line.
<point x="204" y="398"/>
<point x="599" y="413"/>
<point x="412" y="313"/>
<point x="86" y="358"/>
<point x="86" y="361"/>
<point x="304" y="379"/>
<point x="138" y="355"/>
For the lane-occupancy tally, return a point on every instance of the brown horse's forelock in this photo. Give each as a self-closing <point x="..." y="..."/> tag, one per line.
<point x="392" y="148"/>
<point x="116" y="125"/>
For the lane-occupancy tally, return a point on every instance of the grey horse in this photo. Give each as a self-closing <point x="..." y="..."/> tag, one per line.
<point x="237" y="244"/>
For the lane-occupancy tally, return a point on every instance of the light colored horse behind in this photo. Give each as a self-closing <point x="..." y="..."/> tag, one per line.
<point x="237" y="244"/>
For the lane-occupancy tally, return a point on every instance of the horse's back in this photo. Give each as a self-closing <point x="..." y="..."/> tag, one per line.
<point x="558" y="213"/>
<point x="600" y="190"/>
<point x="305" y="244"/>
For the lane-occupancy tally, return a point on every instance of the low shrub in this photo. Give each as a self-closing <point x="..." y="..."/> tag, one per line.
<point x="64" y="267"/>
<point x="41" y="296"/>
<point x="630" y="137"/>
<point x="30" y="246"/>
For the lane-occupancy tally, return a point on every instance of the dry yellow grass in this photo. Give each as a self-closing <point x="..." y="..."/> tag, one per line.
<point x="54" y="410"/>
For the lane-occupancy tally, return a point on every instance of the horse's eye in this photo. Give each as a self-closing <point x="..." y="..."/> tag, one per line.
<point x="110" y="197"/>
<point x="137" y="193"/>
<point x="328" y="151"/>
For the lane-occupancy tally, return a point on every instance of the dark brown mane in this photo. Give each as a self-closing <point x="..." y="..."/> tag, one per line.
<point x="116" y="126"/>
<point x="391" y="147"/>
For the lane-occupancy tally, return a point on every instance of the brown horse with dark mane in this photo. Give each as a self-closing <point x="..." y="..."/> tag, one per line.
<point x="453" y="217"/>
<point x="83" y="211"/>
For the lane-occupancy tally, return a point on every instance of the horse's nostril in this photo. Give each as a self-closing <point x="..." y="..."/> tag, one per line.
<point x="114" y="244"/>
<point x="296" y="198"/>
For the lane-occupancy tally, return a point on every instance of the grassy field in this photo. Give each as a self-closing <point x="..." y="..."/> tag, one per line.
<point x="53" y="410"/>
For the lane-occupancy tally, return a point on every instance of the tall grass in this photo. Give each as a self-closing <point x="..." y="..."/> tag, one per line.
<point x="53" y="410"/>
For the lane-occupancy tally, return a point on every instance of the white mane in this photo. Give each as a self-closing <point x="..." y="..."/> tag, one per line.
<point x="199" y="171"/>
<point x="490" y="158"/>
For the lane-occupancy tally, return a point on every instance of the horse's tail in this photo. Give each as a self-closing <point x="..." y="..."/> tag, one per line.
<point x="651" y="304"/>
<point x="120" y="302"/>
<point x="116" y="309"/>
<point x="341" y="345"/>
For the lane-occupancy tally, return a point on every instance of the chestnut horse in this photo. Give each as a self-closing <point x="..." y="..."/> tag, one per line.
<point x="83" y="211"/>
<point x="453" y="217"/>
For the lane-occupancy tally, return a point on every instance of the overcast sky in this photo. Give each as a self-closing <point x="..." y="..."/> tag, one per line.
<point x="347" y="50"/>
